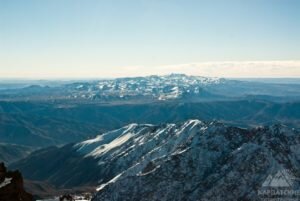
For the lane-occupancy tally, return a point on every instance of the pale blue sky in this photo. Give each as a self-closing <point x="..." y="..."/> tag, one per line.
<point x="100" y="38"/>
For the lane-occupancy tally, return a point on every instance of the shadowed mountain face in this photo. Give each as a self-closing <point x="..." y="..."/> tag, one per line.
<point x="11" y="152"/>
<point x="184" y="161"/>
<point x="44" y="124"/>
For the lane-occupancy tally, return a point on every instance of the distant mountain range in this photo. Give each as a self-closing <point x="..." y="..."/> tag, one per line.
<point x="56" y="113"/>
<point x="150" y="88"/>
<point x="184" y="161"/>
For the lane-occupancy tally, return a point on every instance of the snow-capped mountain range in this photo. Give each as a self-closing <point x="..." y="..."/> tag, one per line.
<point x="192" y="160"/>
<point x="157" y="87"/>
<point x="150" y="88"/>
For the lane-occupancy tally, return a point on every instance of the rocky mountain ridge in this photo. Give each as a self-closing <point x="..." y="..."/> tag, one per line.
<point x="192" y="160"/>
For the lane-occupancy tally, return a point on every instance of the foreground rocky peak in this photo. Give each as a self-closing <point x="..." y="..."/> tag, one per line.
<point x="11" y="186"/>
<point x="193" y="160"/>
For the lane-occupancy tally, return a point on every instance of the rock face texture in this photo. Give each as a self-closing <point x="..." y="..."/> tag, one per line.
<point x="11" y="186"/>
<point x="204" y="161"/>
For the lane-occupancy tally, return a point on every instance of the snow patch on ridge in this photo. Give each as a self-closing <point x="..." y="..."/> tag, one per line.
<point x="5" y="182"/>
<point x="111" y="181"/>
<point x="105" y="141"/>
<point x="115" y="143"/>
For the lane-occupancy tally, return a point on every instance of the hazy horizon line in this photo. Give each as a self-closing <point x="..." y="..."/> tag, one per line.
<point x="108" y="78"/>
<point x="220" y="69"/>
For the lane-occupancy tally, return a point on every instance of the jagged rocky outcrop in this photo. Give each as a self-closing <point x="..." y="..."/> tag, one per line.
<point x="11" y="186"/>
